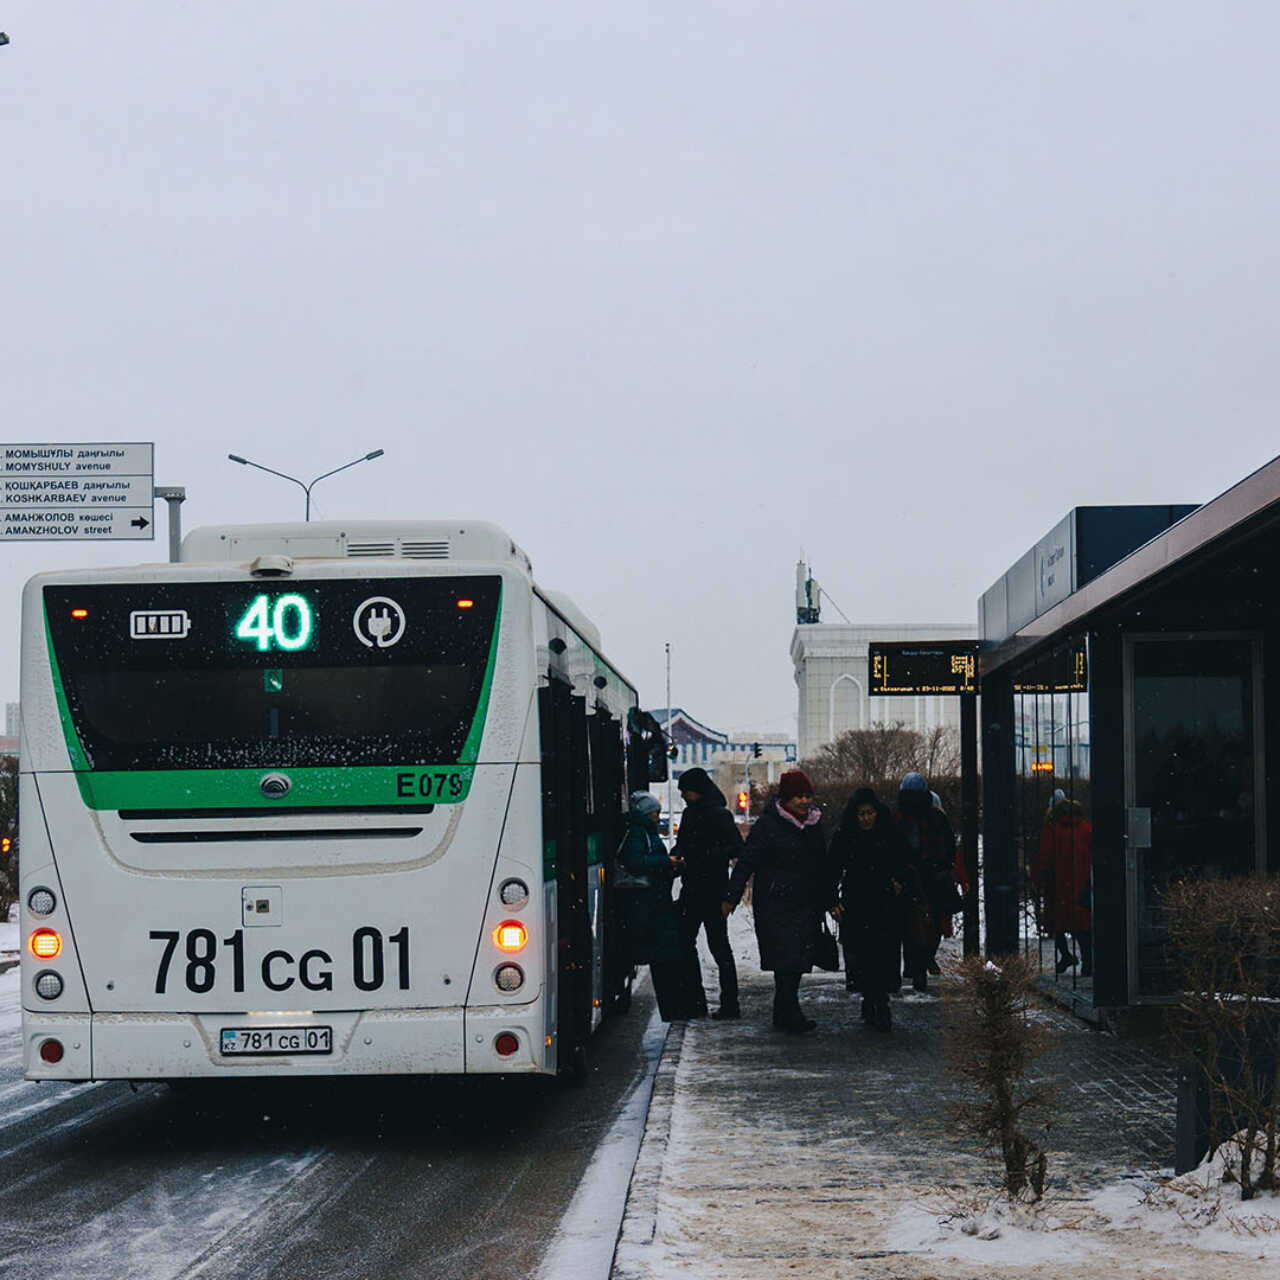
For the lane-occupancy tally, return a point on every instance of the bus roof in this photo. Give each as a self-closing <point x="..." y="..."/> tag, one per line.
<point x="467" y="540"/>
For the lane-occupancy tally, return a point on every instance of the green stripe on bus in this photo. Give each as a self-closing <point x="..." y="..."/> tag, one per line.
<point x="76" y="752"/>
<point x="595" y="845"/>
<point x="471" y="747"/>
<point x="355" y="785"/>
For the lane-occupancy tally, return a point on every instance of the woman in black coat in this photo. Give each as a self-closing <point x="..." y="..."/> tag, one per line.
<point x="787" y="853"/>
<point x="869" y="857"/>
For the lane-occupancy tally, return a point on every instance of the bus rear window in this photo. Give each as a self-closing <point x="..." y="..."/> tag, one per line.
<point x="273" y="675"/>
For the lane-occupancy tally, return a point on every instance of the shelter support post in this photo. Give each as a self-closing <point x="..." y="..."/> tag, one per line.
<point x="999" y="844"/>
<point x="969" y="817"/>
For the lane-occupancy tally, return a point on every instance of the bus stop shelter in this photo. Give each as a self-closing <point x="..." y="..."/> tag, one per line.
<point x="1127" y="730"/>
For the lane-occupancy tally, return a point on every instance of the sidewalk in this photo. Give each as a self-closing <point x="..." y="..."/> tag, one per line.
<point x="770" y="1155"/>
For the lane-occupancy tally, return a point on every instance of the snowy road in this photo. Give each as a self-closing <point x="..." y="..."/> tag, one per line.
<point x="440" y="1178"/>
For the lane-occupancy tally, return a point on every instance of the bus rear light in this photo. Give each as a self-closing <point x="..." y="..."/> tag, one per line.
<point x="506" y="1043"/>
<point x="513" y="893"/>
<point x="45" y="944"/>
<point x="466" y="604"/>
<point x="51" y="1051"/>
<point x="41" y="901"/>
<point x="79" y="614"/>
<point x="510" y="935"/>
<point x="48" y="985"/>
<point x="509" y="977"/>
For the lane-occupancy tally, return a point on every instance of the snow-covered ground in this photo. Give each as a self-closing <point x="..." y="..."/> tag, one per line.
<point x="1146" y="1223"/>
<point x="788" y="1159"/>
<point x="9" y="936"/>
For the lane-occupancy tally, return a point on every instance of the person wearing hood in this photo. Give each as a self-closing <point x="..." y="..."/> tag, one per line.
<point x="931" y="853"/>
<point x="1063" y="873"/>
<point x="643" y="887"/>
<point x="869" y="861"/>
<point x="787" y="853"/>
<point x="707" y="840"/>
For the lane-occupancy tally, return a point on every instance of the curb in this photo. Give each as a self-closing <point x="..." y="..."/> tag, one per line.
<point x="640" y="1219"/>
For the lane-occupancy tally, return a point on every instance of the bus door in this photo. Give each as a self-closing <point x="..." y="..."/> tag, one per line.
<point x="563" y="720"/>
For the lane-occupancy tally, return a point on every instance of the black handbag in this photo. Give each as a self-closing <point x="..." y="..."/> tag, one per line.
<point x="825" y="953"/>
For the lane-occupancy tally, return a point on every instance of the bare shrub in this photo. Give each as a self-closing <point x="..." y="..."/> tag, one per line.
<point x="992" y="1041"/>
<point x="878" y="758"/>
<point x="1225" y="942"/>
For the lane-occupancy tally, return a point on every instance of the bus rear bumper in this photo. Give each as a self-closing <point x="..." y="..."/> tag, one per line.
<point x="146" y="1046"/>
<point x="73" y="1032"/>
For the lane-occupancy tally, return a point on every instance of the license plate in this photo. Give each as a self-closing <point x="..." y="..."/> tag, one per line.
<point x="263" y="1042"/>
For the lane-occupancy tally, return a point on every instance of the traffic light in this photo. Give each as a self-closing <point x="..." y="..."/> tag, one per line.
<point x="755" y="750"/>
<point x="673" y="751"/>
<point x="6" y="843"/>
<point x="744" y="801"/>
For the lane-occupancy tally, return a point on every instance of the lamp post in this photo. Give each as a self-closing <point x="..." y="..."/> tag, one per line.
<point x="306" y="488"/>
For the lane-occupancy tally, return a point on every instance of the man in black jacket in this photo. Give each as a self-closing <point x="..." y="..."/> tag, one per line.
<point x="707" y="840"/>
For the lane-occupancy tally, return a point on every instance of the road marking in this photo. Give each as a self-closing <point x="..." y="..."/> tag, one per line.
<point x="588" y="1234"/>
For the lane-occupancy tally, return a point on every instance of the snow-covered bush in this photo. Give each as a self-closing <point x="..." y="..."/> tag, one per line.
<point x="1225" y="943"/>
<point x="992" y="1040"/>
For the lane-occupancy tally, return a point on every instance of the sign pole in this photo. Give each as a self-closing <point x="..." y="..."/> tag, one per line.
<point x="174" y="495"/>
<point x="969" y="817"/>
<point x="670" y="814"/>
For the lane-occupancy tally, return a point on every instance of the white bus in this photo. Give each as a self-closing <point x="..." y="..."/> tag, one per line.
<point x="318" y="799"/>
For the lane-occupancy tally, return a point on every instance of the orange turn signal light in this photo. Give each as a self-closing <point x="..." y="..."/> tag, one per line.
<point x="466" y="604"/>
<point x="510" y="935"/>
<point x="79" y="613"/>
<point x="45" y="944"/>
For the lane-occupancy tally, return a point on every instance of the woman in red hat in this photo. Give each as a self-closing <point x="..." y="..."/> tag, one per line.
<point x="787" y="853"/>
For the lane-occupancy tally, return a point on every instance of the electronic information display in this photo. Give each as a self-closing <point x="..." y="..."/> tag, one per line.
<point x="1066" y="671"/>
<point x="925" y="667"/>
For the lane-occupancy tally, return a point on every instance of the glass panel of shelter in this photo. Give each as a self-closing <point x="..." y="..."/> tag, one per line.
<point x="1054" y="828"/>
<point x="1194" y="764"/>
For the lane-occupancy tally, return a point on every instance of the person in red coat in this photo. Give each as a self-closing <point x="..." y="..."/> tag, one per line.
<point x="1063" y="875"/>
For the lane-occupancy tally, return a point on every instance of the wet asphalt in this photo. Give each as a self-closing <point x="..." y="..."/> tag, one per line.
<point x="445" y="1178"/>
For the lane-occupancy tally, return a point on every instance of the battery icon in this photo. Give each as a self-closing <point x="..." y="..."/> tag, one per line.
<point x="159" y="624"/>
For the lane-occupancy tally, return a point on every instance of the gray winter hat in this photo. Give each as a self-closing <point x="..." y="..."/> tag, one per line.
<point x="644" y="804"/>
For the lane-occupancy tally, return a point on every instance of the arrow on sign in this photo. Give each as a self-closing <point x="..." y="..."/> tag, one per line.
<point x="140" y="522"/>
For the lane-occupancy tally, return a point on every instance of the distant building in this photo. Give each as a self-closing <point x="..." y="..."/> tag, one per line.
<point x="832" y="675"/>
<point x="726" y="757"/>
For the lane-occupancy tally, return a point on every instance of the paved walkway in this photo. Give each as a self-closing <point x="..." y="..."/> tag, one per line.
<point x="770" y="1155"/>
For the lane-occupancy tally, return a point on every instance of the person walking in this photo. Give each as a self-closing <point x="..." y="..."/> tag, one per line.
<point x="869" y="861"/>
<point x="707" y="840"/>
<point x="787" y="853"/>
<point x="643" y="886"/>
<point x="1063" y="872"/>
<point x="930" y="852"/>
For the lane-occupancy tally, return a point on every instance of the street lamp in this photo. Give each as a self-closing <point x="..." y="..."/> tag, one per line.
<point x="306" y="488"/>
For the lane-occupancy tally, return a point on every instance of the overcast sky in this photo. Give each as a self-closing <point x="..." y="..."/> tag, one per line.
<point x="672" y="291"/>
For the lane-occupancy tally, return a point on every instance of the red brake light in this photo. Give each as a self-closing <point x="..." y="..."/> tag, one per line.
<point x="510" y="935"/>
<point x="45" y="944"/>
<point x="506" y="1044"/>
<point x="51" y="1051"/>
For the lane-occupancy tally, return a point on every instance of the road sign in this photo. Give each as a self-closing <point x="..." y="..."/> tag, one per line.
<point x="94" y="492"/>
<point x="923" y="667"/>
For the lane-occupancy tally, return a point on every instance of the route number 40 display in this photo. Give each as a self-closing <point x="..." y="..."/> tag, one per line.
<point x="283" y="623"/>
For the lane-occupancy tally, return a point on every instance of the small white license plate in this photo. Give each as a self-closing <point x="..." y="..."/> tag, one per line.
<point x="262" y="1042"/>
